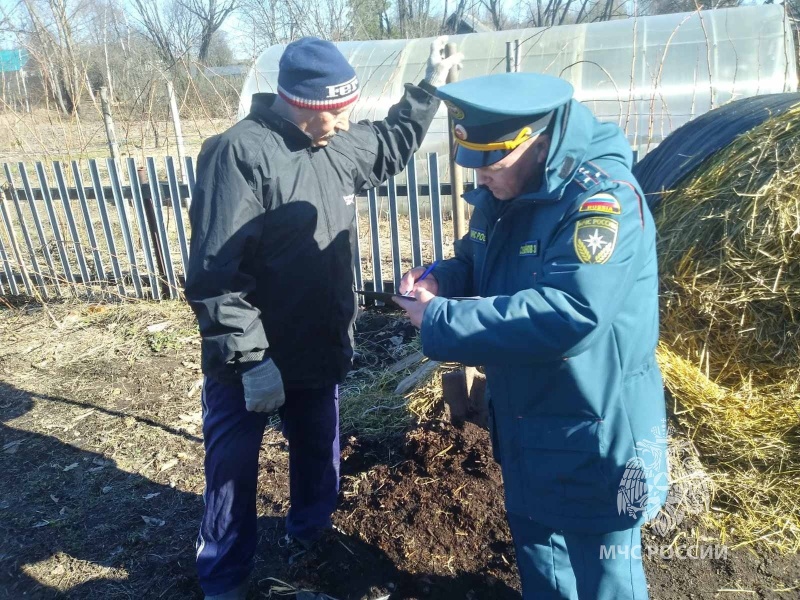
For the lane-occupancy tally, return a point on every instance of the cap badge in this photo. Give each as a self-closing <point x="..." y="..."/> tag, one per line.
<point x="454" y="111"/>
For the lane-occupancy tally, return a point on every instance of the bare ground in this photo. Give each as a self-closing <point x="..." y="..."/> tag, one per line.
<point x="101" y="478"/>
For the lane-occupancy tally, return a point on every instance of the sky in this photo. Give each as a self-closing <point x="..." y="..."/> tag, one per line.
<point x="241" y="41"/>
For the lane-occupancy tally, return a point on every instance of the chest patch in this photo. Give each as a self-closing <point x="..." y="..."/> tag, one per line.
<point x="477" y="235"/>
<point x="594" y="239"/>
<point x="349" y="199"/>
<point x="529" y="248"/>
<point x="601" y="203"/>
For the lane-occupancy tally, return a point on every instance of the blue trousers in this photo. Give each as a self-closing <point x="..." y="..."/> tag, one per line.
<point x="232" y="436"/>
<point x="557" y="565"/>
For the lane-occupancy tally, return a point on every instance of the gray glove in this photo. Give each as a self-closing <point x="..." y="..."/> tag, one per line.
<point x="438" y="66"/>
<point x="263" y="388"/>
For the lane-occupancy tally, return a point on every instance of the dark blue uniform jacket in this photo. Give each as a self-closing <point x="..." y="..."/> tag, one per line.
<point x="567" y="330"/>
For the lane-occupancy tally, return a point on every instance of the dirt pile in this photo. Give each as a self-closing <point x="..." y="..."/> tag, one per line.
<point x="426" y="520"/>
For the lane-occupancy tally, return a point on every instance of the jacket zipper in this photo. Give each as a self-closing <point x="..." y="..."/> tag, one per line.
<point x="323" y="203"/>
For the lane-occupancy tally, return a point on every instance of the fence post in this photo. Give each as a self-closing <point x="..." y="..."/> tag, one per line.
<point x="147" y="224"/>
<point x="176" y="209"/>
<point x="23" y="76"/>
<point x="99" y="269"/>
<point x="14" y="246"/>
<point x="7" y="264"/>
<point x="54" y="221"/>
<point x="99" y="195"/>
<point x="158" y="205"/>
<point x="26" y="235"/>
<point x="456" y="173"/>
<point x="122" y="213"/>
<point x="44" y="246"/>
<point x="176" y="122"/>
<point x="413" y="213"/>
<point x="63" y="193"/>
<point x="109" y="123"/>
<point x="377" y="276"/>
<point x="436" y="205"/>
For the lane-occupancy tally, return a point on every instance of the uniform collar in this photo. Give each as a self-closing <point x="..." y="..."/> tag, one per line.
<point x="261" y="109"/>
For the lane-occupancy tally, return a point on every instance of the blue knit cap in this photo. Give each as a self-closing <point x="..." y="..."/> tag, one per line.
<point x="312" y="73"/>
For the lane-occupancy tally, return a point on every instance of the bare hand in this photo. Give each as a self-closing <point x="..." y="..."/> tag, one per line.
<point x="416" y="309"/>
<point x="409" y="282"/>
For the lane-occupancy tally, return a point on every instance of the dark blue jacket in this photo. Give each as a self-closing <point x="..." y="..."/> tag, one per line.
<point x="566" y="332"/>
<point x="273" y="237"/>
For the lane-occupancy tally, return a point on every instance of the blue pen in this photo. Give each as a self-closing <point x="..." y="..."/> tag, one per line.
<point x="427" y="272"/>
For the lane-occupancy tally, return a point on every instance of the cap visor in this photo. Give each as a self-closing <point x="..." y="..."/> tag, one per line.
<point x="475" y="159"/>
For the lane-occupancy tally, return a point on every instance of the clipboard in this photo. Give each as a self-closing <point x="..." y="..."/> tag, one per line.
<point x="387" y="296"/>
<point x="383" y="296"/>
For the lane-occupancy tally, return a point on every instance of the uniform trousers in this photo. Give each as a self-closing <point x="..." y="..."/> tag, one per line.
<point x="558" y="565"/>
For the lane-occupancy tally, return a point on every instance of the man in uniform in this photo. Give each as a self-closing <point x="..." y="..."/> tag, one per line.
<point x="561" y="250"/>
<point x="270" y="279"/>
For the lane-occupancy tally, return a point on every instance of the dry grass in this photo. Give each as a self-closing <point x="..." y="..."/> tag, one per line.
<point x="48" y="135"/>
<point x="730" y="352"/>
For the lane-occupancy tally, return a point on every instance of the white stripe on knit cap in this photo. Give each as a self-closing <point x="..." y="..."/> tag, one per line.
<point x="318" y="104"/>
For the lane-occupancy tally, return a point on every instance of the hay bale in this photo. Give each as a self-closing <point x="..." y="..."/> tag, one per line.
<point x="729" y="249"/>
<point x="729" y="252"/>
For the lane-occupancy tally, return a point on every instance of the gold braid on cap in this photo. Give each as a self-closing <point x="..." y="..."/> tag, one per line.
<point x="525" y="134"/>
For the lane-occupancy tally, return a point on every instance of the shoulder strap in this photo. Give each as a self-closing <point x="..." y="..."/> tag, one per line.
<point x="589" y="175"/>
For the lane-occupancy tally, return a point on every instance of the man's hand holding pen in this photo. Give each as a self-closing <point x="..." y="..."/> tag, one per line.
<point x="420" y="283"/>
<point x="419" y="278"/>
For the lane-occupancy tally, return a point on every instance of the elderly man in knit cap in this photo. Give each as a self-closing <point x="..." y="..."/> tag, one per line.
<point x="270" y="279"/>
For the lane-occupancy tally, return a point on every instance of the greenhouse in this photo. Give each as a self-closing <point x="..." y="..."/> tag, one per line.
<point x="650" y="75"/>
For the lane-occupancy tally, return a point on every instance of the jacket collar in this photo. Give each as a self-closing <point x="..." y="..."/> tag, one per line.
<point x="577" y="138"/>
<point x="261" y="110"/>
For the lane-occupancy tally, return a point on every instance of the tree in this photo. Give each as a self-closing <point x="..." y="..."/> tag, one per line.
<point x="156" y="29"/>
<point x="210" y="14"/>
<point x="282" y="21"/>
<point x="51" y="41"/>
<point x="549" y="13"/>
<point x="665" y="7"/>
<point x="414" y="19"/>
<point x="220" y="53"/>
<point x="370" y="19"/>
<point x="454" y="19"/>
<point x="495" y="10"/>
